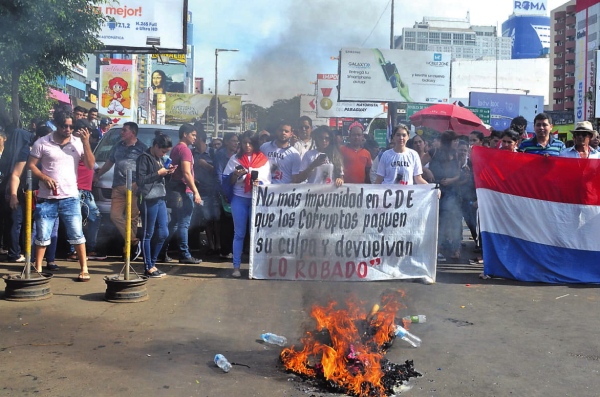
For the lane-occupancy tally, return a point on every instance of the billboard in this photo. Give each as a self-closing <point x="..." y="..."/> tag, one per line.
<point x="328" y="105"/>
<point x="170" y="58"/>
<point x="586" y="40"/>
<point x="484" y="114"/>
<point x="536" y="7"/>
<point x="308" y="107"/>
<point x="189" y="108"/>
<point x="139" y="26"/>
<point x="167" y="77"/>
<point x="117" y="86"/>
<point x="505" y="107"/>
<point x="374" y="75"/>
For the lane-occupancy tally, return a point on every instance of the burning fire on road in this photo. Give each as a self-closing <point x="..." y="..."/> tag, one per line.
<point x="345" y="353"/>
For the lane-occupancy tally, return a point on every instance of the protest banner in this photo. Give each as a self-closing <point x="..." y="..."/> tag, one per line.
<point x="351" y="233"/>
<point x="540" y="217"/>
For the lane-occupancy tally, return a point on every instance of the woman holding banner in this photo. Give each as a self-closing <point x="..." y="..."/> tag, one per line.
<point x="323" y="165"/>
<point x="400" y="165"/>
<point x="249" y="167"/>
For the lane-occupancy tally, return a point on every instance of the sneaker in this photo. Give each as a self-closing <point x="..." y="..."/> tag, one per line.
<point x="441" y="258"/>
<point x="154" y="274"/>
<point x="161" y="272"/>
<point x="3" y="251"/>
<point x="20" y="259"/>
<point x="190" y="261"/>
<point x="236" y="273"/>
<point x="93" y="255"/>
<point x="228" y="256"/>
<point x="72" y="258"/>
<point x="52" y="266"/>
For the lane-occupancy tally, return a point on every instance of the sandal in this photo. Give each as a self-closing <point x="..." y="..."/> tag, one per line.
<point x="83" y="277"/>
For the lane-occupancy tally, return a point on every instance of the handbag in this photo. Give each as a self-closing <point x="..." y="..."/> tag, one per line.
<point x="157" y="191"/>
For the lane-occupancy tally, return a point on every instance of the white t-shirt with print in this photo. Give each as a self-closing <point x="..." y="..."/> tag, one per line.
<point x="323" y="174"/>
<point x="284" y="162"/>
<point x="400" y="168"/>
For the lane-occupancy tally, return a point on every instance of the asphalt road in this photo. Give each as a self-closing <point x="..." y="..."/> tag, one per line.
<point x="490" y="338"/>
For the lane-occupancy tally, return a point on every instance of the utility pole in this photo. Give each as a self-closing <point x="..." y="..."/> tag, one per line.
<point x="392" y="107"/>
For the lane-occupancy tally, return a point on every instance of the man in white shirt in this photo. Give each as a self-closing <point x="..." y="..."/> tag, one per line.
<point x="304" y="131"/>
<point x="283" y="158"/>
<point x="582" y="134"/>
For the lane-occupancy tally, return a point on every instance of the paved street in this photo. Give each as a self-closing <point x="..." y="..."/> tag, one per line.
<point x="492" y="338"/>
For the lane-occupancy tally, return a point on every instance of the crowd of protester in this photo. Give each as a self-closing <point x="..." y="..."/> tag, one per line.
<point x="208" y="183"/>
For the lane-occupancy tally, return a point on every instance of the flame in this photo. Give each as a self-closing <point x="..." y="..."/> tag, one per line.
<point x="348" y="345"/>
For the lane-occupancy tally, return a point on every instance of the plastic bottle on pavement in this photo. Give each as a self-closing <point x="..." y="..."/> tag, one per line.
<point x="415" y="319"/>
<point x="222" y="362"/>
<point x="274" y="339"/>
<point x="403" y="334"/>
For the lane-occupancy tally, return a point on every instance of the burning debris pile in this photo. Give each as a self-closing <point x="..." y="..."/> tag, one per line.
<point x="346" y="351"/>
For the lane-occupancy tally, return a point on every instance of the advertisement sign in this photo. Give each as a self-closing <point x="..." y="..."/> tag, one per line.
<point x="535" y="7"/>
<point x="374" y="75"/>
<point x="505" y="107"/>
<point x="170" y="58"/>
<point x="142" y="25"/>
<point x="117" y="85"/>
<point x="167" y="78"/>
<point x="328" y="105"/>
<point x="580" y="66"/>
<point x="189" y="108"/>
<point x="352" y="233"/>
<point x="484" y="114"/>
<point x="308" y="107"/>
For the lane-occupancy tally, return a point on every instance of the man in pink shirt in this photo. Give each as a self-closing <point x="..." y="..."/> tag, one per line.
<point x="59" y="154"/>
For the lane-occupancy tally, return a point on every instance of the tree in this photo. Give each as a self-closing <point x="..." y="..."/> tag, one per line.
<point x="40" y="40"/>
<point x="282" y="109"/>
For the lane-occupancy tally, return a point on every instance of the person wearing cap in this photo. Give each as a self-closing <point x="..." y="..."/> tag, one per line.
<point x="542" y="143"/>
<point x="582" y="134"/>
<point x="105" y="124"/>
<point x="357" y="161"/>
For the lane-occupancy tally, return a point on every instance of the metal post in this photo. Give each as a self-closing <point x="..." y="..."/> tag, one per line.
<point x="28" y="202"/>
<point x="392" y="28"/>
<point x="128" y="224"/>
<point x="216" y="131"/>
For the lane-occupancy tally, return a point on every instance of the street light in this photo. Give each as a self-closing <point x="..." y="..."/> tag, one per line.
<point x="229" y="85"/>
<point x="216" y="131"/>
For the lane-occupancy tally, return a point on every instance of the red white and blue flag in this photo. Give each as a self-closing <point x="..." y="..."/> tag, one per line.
<point x="539" y="217"/>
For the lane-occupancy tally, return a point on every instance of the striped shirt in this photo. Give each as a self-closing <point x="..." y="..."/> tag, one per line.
<point x="531" y="145"/>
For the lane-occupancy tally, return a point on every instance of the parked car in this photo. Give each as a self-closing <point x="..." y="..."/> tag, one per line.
<point x="102" y="190"/>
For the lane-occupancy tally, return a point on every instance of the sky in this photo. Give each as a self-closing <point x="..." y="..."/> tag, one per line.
<point x="284" y="44"/>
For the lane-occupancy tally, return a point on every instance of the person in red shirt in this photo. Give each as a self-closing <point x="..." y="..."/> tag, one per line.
<point x="357" y="161"/>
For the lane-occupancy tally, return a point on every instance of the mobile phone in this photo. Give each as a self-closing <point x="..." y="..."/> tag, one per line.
<point x="253" y="175"/>
<point x="322" y="157"/>
<point x="239" y="167"/>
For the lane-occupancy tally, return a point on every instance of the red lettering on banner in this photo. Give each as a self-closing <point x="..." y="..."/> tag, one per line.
<point x="337" y="270"/>
<point x="282" y="267"/>
<point x="312" y="270"/>
<point x="299" y="267"/>
<point x="270" y="273"/>
<point x="350" y="271"/>
<point x="364" y="267"/>
<point x="325" y="273"/>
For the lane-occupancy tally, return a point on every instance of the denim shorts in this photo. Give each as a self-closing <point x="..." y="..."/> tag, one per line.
<point x="69" y="211"/>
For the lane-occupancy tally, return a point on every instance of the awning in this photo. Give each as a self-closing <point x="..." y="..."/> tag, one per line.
<point x="60" y="96"/>
<point x="84" y="104"/>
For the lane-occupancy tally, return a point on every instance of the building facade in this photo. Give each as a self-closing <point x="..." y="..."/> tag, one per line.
<point x="456" y="36"/>
<point x="587" y="39"/>
<point x="562" y="56"/>
<point x="529" y="29"/>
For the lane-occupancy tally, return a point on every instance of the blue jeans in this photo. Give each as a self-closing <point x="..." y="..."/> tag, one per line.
<point x="69" y="211"/>
<point x="241" y="210"/>
<point x="89" y="210"/>
<point x="51" y="250"/>
<point x="154" y="214"/>
<point x="180" y="224"/>
<point x="17" y="217"/>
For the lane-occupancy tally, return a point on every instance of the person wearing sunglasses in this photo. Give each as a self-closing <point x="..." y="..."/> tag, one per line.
<point x="304" y="134"/>
<point x="58" y="154"/>
<point x="582" y="134"/>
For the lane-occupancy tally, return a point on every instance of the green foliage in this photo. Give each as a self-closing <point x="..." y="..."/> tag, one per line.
<point x="282" y="109"/>
<point x="42" y="38"/>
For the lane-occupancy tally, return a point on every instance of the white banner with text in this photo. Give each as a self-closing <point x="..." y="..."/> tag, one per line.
<point x="350" y="233"/>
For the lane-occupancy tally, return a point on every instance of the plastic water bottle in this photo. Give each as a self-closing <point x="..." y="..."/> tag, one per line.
<point x="415" y="319"/>
<point x="222" y="363"/>
<point x="274" y="339"/>
<point x="403" y="334"/>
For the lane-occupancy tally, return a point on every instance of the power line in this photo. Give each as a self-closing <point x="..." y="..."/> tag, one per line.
<point x="377" y="23"/>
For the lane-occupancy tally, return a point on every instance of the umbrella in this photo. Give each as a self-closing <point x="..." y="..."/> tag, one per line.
<point x="444" y="117"/>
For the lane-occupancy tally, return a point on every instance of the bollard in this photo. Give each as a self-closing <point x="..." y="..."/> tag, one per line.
<point x="22" y="287"/>
<point x="126" y="290"/>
